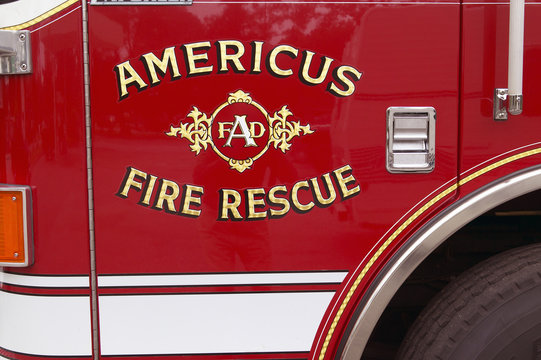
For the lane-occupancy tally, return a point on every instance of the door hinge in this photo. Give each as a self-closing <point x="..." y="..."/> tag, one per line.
<point x="15" y="52"/>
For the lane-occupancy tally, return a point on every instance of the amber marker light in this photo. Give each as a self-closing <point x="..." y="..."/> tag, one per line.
<point x="15" y="226"/>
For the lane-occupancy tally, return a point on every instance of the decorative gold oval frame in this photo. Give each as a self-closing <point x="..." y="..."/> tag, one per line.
<point x="240" y="164"/>
<point x="198" y="132"/>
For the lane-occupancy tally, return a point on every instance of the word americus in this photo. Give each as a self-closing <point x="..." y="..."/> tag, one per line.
<point x="231" y="55"/>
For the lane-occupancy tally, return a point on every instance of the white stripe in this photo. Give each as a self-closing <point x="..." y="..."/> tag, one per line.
<point x="222" y="279"/>
<point x="21" y="11"/>
<point x="55" y="20"/>
<point x="45" y="281"/>
<point x="175" y="280"/>
<point x="210" y="323"/>
<point x="45" y="325"/>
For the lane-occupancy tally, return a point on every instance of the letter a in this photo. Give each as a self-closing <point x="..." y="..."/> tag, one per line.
<point x="241" y="120"/>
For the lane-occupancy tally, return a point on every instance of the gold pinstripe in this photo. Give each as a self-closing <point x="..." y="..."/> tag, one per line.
<point x="42" y="16"/>
<point x="498" y="164"/>
<point x="404" y="225"/>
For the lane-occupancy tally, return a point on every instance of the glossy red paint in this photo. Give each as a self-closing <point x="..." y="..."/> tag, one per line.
<point x="408" y="66"/>
<point x="347" y="131"/>
<point x="439" y="54"/>
<point x="488" y="150"/>
<point x="43" y="144"/>
<point x="485" y="67"/>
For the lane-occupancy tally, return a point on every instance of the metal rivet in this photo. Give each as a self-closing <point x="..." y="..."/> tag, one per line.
<point x="14" y="198"/>
<point x="24" y="67"/>
<point x="16" y="255"/>
<point x="22" y="37"/>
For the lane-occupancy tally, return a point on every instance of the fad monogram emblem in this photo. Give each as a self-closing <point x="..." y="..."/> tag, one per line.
<point x="240" y="130"/>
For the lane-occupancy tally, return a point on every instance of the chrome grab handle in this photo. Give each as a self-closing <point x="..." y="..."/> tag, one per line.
<point x="510" y="100"/>
<point x="516" y="52"/>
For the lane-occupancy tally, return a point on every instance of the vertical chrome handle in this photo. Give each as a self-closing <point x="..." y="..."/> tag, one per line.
<point x="511" y="98"/>
<point x="516" y="51"/>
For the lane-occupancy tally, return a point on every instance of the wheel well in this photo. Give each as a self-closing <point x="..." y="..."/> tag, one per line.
<point x="512" y="224"/>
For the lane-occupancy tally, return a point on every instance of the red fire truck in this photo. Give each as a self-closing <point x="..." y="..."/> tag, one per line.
<point x="233" y="179"/>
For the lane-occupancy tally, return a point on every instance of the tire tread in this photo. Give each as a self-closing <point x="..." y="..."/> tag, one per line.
<point x="468" y="299"/>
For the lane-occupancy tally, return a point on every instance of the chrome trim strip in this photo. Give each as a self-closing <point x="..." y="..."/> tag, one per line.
<point x="90" y="184"/>
<point x="292" y="278"/>
<point x="424" y="242"/>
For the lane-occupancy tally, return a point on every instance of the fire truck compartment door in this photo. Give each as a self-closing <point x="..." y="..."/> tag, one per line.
<point x="242" y="140"/>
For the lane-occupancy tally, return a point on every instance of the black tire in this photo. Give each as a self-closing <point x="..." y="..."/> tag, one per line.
<point x="492" y="311"/>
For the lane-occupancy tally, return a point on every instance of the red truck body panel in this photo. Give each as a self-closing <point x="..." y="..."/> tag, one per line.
<point x="198" y="232"/>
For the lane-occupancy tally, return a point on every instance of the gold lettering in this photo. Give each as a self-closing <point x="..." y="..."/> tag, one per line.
<point x="148" y="191"/>
<point x="234" y="58"/>
<point x="343" y="182"/>
<point x="339" y="76"/>
<point x="277" y="201"/>
<point x="123" y="82"/>
<point x="153" y="63"/>
<point x="302" y="208"/>
<point x="191" y="58"/>
<point x="252" y="203"/>
<point x="227" y="206"/>
<point x="323" y="70"/>
<point x="257" y="47"/>
<point x="188" y="199"/>
<point x="221" y="129"/>
<point x="261" y="130"/>
<point x="130" y="181"/>
<point x="164" y="196"/>
<point x="229" y="55"/>
<point x="272" y="60"/>
<point x="317" y="191"/>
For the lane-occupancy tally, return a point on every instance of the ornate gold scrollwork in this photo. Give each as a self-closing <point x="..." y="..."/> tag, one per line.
<point x="281" y="130"/>
<point x="196" y="132"/>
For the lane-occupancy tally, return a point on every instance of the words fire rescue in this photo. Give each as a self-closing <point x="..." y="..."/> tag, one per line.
<point x="255" y="203"/>
<point x="281" y="61"/>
